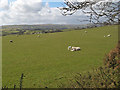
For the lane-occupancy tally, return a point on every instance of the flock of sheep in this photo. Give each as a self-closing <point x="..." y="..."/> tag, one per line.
<point x="78" y="48"/>
<point x="109" y="35"/>
<point x="71" y="48"/>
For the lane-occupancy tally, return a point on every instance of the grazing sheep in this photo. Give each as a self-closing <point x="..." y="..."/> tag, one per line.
<point x="104" y="36"/>
<point x="11" y="41"/>
<point x="109" y="35"/>
<point x="85" y="31"/>
<point x="38" y="36"/>
<point x="73" y="48"/>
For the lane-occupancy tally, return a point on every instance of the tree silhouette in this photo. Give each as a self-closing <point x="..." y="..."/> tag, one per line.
<point x="98" y="11"/>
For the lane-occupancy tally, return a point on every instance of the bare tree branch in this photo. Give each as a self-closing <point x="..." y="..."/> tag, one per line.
<point x="96" y="9"/>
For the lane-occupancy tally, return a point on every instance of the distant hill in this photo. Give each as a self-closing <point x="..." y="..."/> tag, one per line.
<point x="45" y="27"/>
<point x="42" y="28"/>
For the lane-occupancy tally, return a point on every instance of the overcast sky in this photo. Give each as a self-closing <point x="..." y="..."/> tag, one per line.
<point x="36" y="12"/>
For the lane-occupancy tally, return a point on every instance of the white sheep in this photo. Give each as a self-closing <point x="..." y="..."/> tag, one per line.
<point x="73" y="48"/>
<point x="85" y="31"/>
<point x="109" y="35"/>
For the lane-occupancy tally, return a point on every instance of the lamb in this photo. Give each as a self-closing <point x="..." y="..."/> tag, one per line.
<point x="69" y="47"/>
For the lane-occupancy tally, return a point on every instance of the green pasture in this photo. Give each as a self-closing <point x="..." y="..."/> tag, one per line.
<point x="46" y="61"/>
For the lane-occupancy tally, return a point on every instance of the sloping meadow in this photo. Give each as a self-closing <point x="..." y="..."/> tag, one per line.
<point x="46" y="61"/>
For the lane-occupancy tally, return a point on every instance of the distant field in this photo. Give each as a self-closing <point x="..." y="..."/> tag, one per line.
<point x="45" y="60"/>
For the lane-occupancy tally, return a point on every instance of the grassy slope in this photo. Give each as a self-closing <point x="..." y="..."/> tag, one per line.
<point x="45" y="60"/>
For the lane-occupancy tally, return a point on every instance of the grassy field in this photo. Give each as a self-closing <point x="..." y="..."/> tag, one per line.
<point x="45" y="60"/>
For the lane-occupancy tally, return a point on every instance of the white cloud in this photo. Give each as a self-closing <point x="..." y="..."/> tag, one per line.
<point x="23" y="6"/>
<point x="4" y="4"/>
<point x="33" y="12"/>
